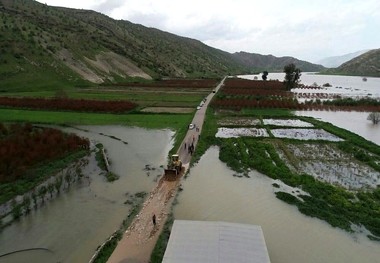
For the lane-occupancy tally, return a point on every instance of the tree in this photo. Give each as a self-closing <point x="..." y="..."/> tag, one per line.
<point x="292" y="76"/>
<point x="374" y="117"/>
<point x="265" y="75"/>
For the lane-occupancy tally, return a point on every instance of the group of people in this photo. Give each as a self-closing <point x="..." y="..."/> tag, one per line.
<point x="190" y="149"/>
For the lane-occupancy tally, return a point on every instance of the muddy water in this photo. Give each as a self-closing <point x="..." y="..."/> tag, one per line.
<point x="74" y="224"/>
<point x="355" y="122"/>
<point x="212" y="193"/>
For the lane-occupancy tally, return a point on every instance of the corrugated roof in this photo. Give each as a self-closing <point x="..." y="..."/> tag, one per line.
<point x="215" y="242"/>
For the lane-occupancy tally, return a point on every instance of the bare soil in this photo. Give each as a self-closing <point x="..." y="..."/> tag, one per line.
<point x="140" y="238"/>
<point x="100" y="69"/>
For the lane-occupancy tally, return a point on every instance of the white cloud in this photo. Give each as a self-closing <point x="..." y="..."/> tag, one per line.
<point x="308" y="30"/>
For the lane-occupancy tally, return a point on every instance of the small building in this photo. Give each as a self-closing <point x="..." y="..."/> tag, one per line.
<point x="215" y="242"/>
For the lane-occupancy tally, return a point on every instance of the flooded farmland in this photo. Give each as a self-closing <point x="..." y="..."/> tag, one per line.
<point x="355" y="122"/>
<point x="212" y="193"/>
<point x="74" y="224"/>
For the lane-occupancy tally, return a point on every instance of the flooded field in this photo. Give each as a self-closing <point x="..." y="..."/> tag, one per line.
<point x="238" y="132"/>
<point x="73" y="225"/>
<point x="237" y="121"/>
<point x="305" y="134"/>
<point x="346" y="86"/>
<point x="355" y="122"/>
<point x="287" y="123"/>
<point x="212" y="193"/>
<point x="329" y="164"/>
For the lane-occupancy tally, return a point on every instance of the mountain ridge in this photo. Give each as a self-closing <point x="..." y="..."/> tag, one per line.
<point x="367" y="64"/>
<point x="336" y="61"/>
<point x="270" y="62"/>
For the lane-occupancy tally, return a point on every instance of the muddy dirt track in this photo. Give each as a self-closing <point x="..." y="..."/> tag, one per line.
<point x="140" y="238"/>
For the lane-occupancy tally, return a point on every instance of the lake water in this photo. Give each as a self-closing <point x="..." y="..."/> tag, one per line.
<point x="348" y="86"/>
<point x="211" y="193"/>
<point x="77" y="222"/>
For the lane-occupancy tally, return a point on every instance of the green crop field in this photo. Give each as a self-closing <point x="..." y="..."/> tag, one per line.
<point x="154" y="121"/>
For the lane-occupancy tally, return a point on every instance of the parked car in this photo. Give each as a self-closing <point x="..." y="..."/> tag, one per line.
<point x="191" y="126"/>
<point x="198" y="107"/>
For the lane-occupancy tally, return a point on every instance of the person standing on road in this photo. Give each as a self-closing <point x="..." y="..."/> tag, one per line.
<point x="154" y="220"/>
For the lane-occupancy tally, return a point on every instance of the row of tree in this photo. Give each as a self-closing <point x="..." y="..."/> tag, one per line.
<point x="23" y="146"/>
<point x="232" y="83"/>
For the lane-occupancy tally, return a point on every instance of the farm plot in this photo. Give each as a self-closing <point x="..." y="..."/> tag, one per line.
<point x="241" y="132"/>
<point x="238" y="94"/>
<point x="327" y="163"/>
<point x="239" y="121"/>
<point x="287" y="123"/>
<point x="305" y="134"/>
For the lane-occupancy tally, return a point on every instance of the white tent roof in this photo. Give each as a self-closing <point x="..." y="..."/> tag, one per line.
<point x="215" y="242"/>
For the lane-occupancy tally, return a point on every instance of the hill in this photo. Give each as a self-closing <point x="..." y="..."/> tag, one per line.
<point x="336" y="61"/>
<point x="259" y="62"/>
<point x="367" y="64"/>
<point x="55" y="47"/>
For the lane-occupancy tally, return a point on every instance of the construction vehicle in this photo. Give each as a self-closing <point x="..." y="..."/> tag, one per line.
<point x="174" y="168"/>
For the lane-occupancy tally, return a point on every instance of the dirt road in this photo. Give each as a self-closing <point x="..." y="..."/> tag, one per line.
<point x="140" y="238"/>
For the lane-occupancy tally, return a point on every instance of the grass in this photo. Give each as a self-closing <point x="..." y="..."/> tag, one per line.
<point x="151" y="121"/>
<point x="267" y="112"/>
<point x="108" y="248"/>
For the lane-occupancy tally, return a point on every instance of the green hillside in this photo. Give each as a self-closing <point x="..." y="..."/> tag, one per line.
<point x="54" y="48"/>
<point x="367" y="64"/>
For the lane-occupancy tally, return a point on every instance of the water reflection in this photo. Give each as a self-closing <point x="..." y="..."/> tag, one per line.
<point x="212" y="193"/>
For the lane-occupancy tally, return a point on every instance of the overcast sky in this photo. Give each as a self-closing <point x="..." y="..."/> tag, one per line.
<point x="308" y="30"/>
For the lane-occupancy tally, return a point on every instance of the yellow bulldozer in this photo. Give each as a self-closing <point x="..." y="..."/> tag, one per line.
<point x="174" y="168"/>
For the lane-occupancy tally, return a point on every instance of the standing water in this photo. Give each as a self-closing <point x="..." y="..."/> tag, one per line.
<point x="355" y="122"/>
<point x="211" y="193"/>
<point x="75" y="223"/>
<point x="347" y="86"/>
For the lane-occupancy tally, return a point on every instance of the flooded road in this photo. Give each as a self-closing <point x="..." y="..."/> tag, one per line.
<point x="74" y="224"/>
<point x="211" y="193"/>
